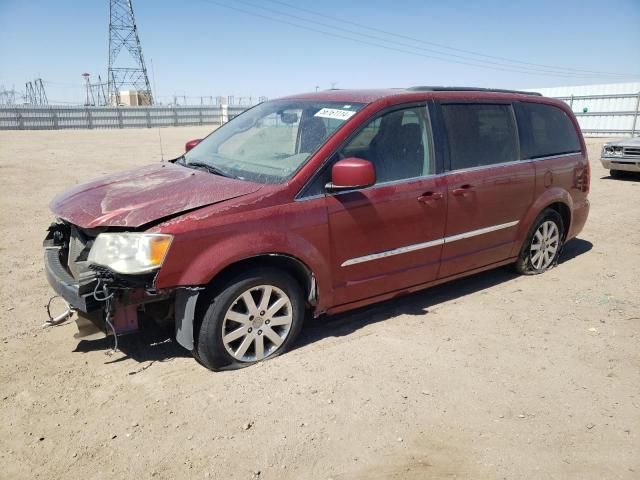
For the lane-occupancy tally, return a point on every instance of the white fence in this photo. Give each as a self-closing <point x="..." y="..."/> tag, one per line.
<point x="29" y="117"/>
<point x="597" y="118"/>
<point x="609" y="109"/>
<point x="609" y="112"/>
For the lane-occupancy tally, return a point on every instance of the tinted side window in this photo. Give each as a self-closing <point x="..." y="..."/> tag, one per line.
<point x="397" y="143"/>
<point x="480" y="134"/>
<point x="549" y="131"/>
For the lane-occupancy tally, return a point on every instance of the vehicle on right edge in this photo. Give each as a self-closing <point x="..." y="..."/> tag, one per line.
<point x="621" y="156"/>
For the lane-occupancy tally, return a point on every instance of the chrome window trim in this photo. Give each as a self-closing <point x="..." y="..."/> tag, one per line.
<point x="372" y="187"/>
<point x="448" y="172"/>
<point x="557" y="155"/>
<point x="432" y="243"/>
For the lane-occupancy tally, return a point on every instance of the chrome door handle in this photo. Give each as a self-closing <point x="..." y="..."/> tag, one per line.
<point x="462" y="191"/>
<point x="429" y="196"/>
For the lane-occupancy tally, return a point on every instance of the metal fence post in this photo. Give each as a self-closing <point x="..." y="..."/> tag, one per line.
<point x="571" y="101"/>
<point x="200" y="115"/>
<point x="148" y="118"/>
<point x="89" y="118"/>
<point x="20" y="120"/>
<point x="54" y="116"/>
<point x="119" y="112"/>
<point x="224" y="112"/>
<point x="175" y="116"/>
<point x="635" y="116"/>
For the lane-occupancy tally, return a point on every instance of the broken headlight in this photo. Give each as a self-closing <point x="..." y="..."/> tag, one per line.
<point x="130" y="253"/>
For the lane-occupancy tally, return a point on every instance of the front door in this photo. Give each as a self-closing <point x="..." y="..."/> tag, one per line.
<point x="389" y="236"/>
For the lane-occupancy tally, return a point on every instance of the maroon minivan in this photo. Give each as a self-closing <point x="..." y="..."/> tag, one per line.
<point x="320" y="203"/>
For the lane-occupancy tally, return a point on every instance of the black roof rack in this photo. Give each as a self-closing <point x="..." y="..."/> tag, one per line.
<point x="469" y="89"/>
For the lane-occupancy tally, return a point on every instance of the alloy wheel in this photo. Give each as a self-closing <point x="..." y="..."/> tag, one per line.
<point x="257" y="323"/>
<point x="544" y="245"/>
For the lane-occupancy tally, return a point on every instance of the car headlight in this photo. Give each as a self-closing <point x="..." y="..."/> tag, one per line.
<point x="130" y="253"/>
<point x="611" y="151"/>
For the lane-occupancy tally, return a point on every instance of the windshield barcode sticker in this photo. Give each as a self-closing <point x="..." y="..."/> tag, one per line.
<point x="335" y="113"/>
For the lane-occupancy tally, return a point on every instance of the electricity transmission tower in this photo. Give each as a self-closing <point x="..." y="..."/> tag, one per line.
<point x="132" y="71"/>
<point x="94" y="92"/>
<point x="99" y="94"/>
<point x="7" y="97"/>
<point x="89" y="99"/>
<point x="35" y="93"/>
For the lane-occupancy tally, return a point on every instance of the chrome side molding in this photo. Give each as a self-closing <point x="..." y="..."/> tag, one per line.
<point x="432" y="243"/>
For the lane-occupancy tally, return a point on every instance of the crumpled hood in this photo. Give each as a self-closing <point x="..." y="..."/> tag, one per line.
<point x="137" y="197"/>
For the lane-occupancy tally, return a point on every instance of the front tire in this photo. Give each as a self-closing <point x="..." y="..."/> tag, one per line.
<point x="616" y="173"/>
<point x="254" y="316"/>
<point x="543" y="244"/>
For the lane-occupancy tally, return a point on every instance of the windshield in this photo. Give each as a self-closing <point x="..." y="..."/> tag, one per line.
<point x="269" y="142"/>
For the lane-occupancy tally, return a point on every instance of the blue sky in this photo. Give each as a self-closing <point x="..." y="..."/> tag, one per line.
<point x="199" y="47"/>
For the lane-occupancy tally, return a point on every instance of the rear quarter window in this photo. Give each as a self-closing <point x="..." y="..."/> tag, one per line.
<point x="545" y="130"/>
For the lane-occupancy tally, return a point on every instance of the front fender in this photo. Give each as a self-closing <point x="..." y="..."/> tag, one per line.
<point x="205" y="263"/>
<point x="550" y="196"/>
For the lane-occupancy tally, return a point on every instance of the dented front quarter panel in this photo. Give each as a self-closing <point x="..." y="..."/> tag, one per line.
<point x="208" y="240"/>
<point x="137" y="197"/>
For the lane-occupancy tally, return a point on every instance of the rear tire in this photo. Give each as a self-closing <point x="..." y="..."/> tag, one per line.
<point x="254" y="316"/>
<point x="541" y="248"/>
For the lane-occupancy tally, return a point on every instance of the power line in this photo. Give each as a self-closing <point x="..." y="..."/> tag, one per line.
<point x="523" y="69"/>
<point x="477" y="63"/>
<point x="446" y="47"/>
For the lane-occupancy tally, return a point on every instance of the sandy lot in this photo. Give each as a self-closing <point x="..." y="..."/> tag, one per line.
<point x="494" y="376"/>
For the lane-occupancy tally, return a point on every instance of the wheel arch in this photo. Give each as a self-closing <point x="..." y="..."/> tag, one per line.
<point x="292" y="265"/>
<point x="554" y="198"/>
<point x="565" y="213"/>
<point x="191" y="302"/>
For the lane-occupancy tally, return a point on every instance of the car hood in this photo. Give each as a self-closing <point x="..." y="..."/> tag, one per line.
<point x="627" y="142"/>
<point x="137" y="197"/>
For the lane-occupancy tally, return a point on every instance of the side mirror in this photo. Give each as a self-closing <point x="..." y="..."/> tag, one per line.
<point x="289" y="117"/>
<point x="350" y="173"/>
<point x="191" y="143"/>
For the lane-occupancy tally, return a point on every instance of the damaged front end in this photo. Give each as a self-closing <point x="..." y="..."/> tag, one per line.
<point x="105" y="300"/>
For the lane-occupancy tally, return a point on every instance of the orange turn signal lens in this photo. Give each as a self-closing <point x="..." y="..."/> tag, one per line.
<point x="158" y="248"/>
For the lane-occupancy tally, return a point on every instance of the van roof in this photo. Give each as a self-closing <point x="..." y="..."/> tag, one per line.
<point x="411" y="93"/>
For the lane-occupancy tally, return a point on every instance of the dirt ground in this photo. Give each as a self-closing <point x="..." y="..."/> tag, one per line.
<point x="494" y="376"/>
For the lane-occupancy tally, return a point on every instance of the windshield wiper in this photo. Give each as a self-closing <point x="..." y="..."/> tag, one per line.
<point x="209" y="168"/>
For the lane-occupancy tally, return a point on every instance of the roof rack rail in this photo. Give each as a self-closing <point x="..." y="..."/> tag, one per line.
<point x="469" y="89"/>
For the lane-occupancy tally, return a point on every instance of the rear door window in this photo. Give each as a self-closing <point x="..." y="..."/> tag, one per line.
<point x="480" y="134"/>
<point x="546" y="130"/>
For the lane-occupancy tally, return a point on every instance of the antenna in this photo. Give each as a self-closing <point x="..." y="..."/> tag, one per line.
<point x="123" y="32"/>
<point x="161" y="152"/>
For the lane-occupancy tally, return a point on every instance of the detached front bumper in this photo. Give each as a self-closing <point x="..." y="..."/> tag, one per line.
<point x="627" y="165"/>
<point x="79" y="294"/>
<point x="131" y="296"/>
